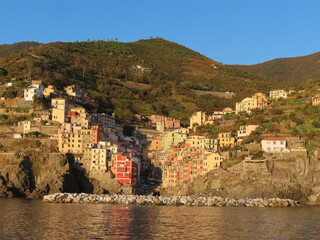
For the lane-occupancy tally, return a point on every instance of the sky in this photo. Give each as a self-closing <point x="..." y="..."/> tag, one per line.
<point x="227" y="31"/>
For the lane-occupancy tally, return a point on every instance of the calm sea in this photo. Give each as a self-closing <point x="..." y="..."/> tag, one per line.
<point x="32" y="219"/>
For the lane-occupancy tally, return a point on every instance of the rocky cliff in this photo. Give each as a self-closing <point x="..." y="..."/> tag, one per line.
<point x="37" y="173"/>
<point x="296" y="178"/>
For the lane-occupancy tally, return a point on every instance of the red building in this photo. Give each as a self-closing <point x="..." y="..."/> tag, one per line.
<point x="126" y="170"/>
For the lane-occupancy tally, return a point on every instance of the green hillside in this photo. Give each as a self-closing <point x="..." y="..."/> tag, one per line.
<point x="111" y="71"/>
<point x="7" y="49"/>
<point x="289" y="71"/>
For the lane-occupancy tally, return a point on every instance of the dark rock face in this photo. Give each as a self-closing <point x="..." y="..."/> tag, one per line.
<point x="34" y="177"/>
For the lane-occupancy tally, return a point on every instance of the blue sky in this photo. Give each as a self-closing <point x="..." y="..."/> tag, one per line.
<point x="228" y="31"/>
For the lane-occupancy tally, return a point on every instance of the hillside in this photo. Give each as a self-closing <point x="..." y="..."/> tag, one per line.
<point x="7" y="49"/>
<point x="289" y="71"/>
<point x="170" y="70"/>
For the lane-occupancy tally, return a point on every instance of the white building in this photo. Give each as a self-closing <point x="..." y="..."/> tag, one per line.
<point x="274" y="145"/>
<point x="99" y="158"/>
<point x="246" y="130"/>
<point x="276" y="94"/>
<point x="35" y="90"/>
<point x="246" y="105"/>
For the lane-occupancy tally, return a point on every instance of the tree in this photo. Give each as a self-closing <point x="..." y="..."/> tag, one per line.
<point x="3" y="72"/>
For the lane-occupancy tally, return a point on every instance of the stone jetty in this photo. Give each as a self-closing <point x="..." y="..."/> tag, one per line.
<point x="170" y="201"/>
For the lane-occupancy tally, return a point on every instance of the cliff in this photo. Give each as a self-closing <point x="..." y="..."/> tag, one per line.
<point x="36" y="172"/>
<point x="296" y="178"/>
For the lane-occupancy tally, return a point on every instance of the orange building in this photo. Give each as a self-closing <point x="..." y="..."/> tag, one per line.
<point x="316" y="100"/>
<point x="95" y="134"/>
<point x="155" y="144"/>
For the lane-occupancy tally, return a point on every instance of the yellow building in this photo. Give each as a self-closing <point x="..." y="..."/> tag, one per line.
<point x="195" y="142"/>
<point x="173" y="138"/>
<point x="226" y="139"/>
<point x="25" y="126"/>
<point x="75" y="139"/>
<point x="48" y="91"/>
<point x="73" y="90"/>
<point x="262" y="100"/>
<point x="212" y="161"/>
<point x="209" y="144"/>
<point x="79" y="116"/>
<point x="155" y="144"/>
<point x="198" y="118"/>
<point x="246" y="105"/>
<point x="58" y="109"/>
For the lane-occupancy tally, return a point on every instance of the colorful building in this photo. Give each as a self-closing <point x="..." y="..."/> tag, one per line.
<point x="226" y="139"/>
<point x="262" y="100"/>
<point x="58" y="109"/>
<point x="49" y="90"/>
<point x="316" y="100"/>
<point x="246" y="105"/>
<point x="246" y="130"/>
<point x="198" y="118"/>
<point x="174" y="137"/>
<point x="125" y="169"/>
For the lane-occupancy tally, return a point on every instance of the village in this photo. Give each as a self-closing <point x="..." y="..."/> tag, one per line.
<point x="159" y="152"/>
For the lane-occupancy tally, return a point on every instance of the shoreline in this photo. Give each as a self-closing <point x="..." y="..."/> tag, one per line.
<point x="168" y="201"/>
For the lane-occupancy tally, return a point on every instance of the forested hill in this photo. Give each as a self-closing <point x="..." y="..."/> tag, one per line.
<point x="7" y="49"/>
<point x="169" y="75"/>
<point x="289" y="71"/>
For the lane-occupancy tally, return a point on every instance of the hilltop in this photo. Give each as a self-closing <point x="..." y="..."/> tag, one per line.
<point x="289" y="71"/>
<point x="144" y="77"/>
<point x="7" y="49"/>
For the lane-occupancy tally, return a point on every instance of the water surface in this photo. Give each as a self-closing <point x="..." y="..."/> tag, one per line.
<point x="32" y="219"/>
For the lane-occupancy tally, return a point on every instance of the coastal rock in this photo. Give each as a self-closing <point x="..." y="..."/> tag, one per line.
<point x="173" y="201"/>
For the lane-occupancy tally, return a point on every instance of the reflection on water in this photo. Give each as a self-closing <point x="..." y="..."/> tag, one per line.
<point x="32" y="219"/>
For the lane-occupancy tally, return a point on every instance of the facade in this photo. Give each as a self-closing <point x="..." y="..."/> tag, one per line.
<point x="106" y="121"/>
<point x="25" y="126"/>
<point x="155" y="144"/>
<point x="125" y="170"/>
<point x="173" y="138"/>
<point x="160" y="126"/>
<point x="79" y="116"/>
<point x="168" y="123"/>
<point x="48" y="91"/>
<point x="35" y="90"/>
<point x="212" y="161"/>
<point x="182" y="163"/>
<point x="198" y="118"/>
<point x="195" y="141"/>
<point x="316" y="100"/>
<point x="226" y="139"/>
<point x="99" y="158"/>
<point x="276" y="94"/>
<point x="274" y="145"/>
<point x="75" y="139"/>
<point x="246" y="105"/>
<point x="262" y="100"/>
<point x="246" y="130"/>
<point x="216" y="115"/>
<point x="227" y="110"/>
<point x="73" y="91"/>
<point x="209" y="144"/>
<point x="58" y="109"/>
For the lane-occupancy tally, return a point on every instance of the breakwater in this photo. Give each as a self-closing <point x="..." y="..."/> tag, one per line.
<point x="171" y="201"/>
